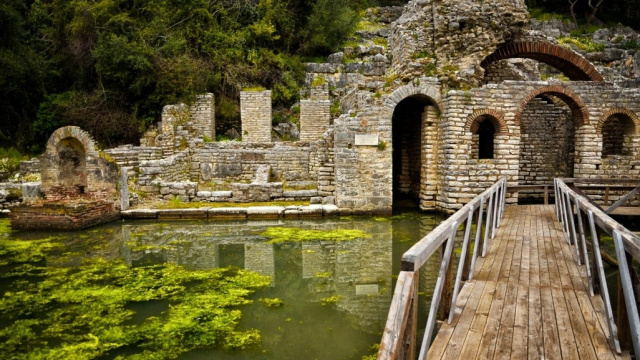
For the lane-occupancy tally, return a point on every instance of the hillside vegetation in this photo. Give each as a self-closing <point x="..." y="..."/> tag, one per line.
<point x="110" y="65"/>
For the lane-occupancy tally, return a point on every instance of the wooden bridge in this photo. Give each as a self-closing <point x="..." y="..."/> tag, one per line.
<point x="530" y="287"/>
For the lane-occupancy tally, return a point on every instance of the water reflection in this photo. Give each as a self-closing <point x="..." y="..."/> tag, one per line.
<point x="336" y="293"/>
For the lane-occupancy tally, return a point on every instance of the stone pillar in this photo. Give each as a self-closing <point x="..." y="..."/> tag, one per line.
<point x="429" y="169"/>
<point x="315" y="116"/>
<point x="255" y="113"/>
<point x="203" y="115"/>
<point x="124" y="188"/>
<point x="172" y="116"/>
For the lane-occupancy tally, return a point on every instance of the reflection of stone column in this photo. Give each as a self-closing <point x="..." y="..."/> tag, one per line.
<point x="363" y="271"/>
<point x="259" y="257"/>
<point x="197" y="254"/>
<point x="313" y="260"/>
<point x="429" y="170"/>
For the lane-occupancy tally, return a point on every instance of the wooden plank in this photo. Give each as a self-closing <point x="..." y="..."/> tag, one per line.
<point x="528" y="300"/>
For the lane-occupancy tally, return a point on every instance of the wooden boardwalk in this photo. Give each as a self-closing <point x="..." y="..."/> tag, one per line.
<point x="528" y="299"/>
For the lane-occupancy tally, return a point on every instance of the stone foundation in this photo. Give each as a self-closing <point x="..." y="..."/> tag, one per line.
<point x="63" y="215"/>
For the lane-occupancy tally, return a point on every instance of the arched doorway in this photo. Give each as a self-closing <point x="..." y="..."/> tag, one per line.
<point x="548" y="120"/>
<point x="415" y="133"/>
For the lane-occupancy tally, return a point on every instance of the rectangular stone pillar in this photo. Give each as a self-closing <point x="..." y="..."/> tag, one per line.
<point x="429" y="168"/>
<point x="315" y="116"/>
<point x="255" y="113"/>
<point x="203" y="115"/>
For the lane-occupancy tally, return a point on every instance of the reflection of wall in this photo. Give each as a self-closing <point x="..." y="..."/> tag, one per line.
<point x="259" y="257"/>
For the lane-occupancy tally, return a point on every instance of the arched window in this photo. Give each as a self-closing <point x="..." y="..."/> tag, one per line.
<point x="486" y="132"/>
<point x="617" y="134"/>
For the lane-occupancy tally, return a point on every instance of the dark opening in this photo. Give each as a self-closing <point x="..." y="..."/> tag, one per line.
<point x="486" y="132"/>
<point x="72" y="164"/>
<point x="407" y="150"/>
<point x="616" y="135"/>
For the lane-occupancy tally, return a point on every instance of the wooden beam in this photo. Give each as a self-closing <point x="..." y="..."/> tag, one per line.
<point x="622" y="200"/>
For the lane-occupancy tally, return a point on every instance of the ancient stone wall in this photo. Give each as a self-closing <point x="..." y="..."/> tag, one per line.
<point x="170" y="169"/>
<point x="239" y="161"/>
<point x="255" y="114"/>
<point x="547" y="138"/>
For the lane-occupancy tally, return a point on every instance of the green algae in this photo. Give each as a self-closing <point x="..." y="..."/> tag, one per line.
<point x="272" y="302"/>
<point x="84" y="312"/>
<point x="285" y="234"/>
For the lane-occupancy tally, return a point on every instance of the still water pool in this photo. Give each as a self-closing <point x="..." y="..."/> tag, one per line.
<point x="277" y="289"/>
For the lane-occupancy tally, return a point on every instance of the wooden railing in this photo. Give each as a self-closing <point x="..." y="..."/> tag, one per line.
<point x="399" y="337"/>
<point x="580" y="219"/>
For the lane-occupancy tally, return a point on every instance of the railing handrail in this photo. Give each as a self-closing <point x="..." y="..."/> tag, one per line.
<point x="399" y="336"/>
<point x="625" y="241"/>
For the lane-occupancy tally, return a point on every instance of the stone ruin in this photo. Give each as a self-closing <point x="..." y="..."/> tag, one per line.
<point x="438" y="101"/>
<point x="79" y="186"/>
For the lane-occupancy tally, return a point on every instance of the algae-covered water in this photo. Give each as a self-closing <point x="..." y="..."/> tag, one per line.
<point x="277" y="289"/>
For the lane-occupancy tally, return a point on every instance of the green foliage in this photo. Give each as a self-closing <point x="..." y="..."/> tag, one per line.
<point x="631" y="44"/>
<point x="586" y="44"/>
<point x="318" y="81"/>
<point x="382" y="145"/>
<point x="330" y="22"/>
<point x="284" y="234"/>
<point x="84" y="311"/>
<point x="542" y="15"/>
<point x="254" y="88"/>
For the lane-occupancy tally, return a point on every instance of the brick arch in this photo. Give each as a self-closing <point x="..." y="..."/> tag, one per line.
<point x="73" y="132"/>
<point x="618" y="111"/>
<point x="579" y="113"/>
<point x="496" y="118"/>
<point x="574" y="66"/>
<point x="403" y="92"/>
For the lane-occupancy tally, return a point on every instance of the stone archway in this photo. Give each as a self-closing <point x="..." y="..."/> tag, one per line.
<point x="414" y="122"/>
<point x="574" y="66"/>
<point x="72" y="167"/>
<point x="548" y="118"/>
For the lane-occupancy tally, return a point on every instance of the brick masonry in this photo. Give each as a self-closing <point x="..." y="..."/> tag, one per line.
<point x="255" y="113"/>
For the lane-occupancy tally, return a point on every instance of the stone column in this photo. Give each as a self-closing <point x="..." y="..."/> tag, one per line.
<point x="203" y="115"/>
<point x="314" y="119"/>
<point x="429" y="170"/>
<point x="255" y="113"/>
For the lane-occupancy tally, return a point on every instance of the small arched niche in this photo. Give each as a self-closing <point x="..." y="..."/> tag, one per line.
<point x="72" y="164"/>
<point x="618" y="131"/>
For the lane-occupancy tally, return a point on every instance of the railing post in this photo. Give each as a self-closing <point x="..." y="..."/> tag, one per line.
<point x="412" y="322"/>
<point x="461" y="265"/>
<point x="487" y="226"/>
<point x="556" y="202"/>
<point x="496" y="212"/>
<point x="604" y="292"/>
<point x="437" y="293"/>
<point x="572" y="230"/>
<point x="630" y="322"/>
<point x="478" y="239"/>
<point x="583" y="242"/>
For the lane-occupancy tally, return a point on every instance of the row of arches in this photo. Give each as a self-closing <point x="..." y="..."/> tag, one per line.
<point x="547" y="119"/>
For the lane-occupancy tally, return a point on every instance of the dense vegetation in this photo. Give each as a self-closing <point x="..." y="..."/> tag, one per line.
<point x="592" y="12"/>
<point x="110" y="65"/>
